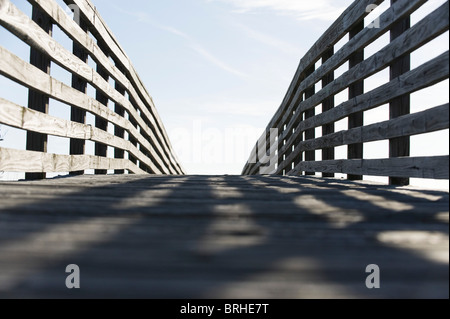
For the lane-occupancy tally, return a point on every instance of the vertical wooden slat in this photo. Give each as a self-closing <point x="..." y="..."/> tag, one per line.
<point x="399" y="147"/>
<point x="328" y="104"/>
<point x="133" y="141"/>
<point x="100" y="148"/>
<point x="310" y="134"/>
<point x="36" y="100"/>
<point x="355" y="151"/>
<point x="119" y="131"/>
<point x="78" y="146"/>
<point x="299" y="138"/>
<point x="280" y="146"/>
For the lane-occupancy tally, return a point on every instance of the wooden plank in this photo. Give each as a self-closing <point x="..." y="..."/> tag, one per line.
<point x="430" y="120"/>
<point x="355" y="151"/>
<point x="24" y="118"/>
<point x="101" y="149"/>
<point x="18" y="70"/>
<point x="101" y="30"/>
<point x="434" y="167"/>
<point x="155" y="237"/>
<point x="119" y="131"/>
<point x="78" y="146"/>
<point x="357" y="43"/>
<point x="36" y="100"/>
<point x="426" y="30"/>
<point x="309" y="134"/>
<point x="39" y="162"/>
<point x="353" y="14"/>
<point x="328" y="104"/>
<point x="399" y="147"/>
<point x="430" y="27"/>
<point x="35" y="121"/>
<point x="426" y="75"/>
<point x="19" y="24"/>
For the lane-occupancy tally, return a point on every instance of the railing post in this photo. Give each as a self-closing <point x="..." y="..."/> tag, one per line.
<point x="132" y="139"/>
<point x="399" y="147"/>
<point x="119" y="131"/>
<point x="100" y="148"/>
<point x="78" y="146"/>
<point x="36" y="100"/>
<point x="355" y="151"/>
<point x="328" y="104"/>
<point x="310" y="134"/>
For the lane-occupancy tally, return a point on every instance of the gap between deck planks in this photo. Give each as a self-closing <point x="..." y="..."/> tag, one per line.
<point x="221" y="237"/>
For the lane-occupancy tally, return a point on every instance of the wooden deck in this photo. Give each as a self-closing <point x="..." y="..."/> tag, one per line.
<point x="221" y="237"/>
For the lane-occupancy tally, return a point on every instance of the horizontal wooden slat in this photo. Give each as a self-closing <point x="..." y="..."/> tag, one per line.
<point x="436" y="167"/>
<point x="426" y="75"/>
<point x="101" y="30"/>
<point x="23" y="27"/>
<point x="427" y="29"/>
<point x="353" y="14"/>
<point x="24" y="73"/>
<point x="37" y="162"/>
<point x="31" y="120"/>
<point x="430" y="120"/>
<point x="27" y="119"/>
<point x="368" y="35"/>
<point x="73" y="30"/>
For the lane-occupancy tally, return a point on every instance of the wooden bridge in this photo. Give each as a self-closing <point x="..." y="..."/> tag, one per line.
<point x="286" y="228"/>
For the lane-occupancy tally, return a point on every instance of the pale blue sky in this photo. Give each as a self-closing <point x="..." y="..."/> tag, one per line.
<point x="218" y="70"/>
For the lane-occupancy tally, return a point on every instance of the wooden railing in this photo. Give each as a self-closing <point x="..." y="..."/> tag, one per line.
<point x="146" y="142"/>
<point x="288" y="145"/>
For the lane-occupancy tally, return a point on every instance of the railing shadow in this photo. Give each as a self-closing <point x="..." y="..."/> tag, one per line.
<point x="222" y="237"/>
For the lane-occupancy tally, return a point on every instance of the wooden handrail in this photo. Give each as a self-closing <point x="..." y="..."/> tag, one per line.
<point x="296" y="120"/>
<point x="147" y="140"/>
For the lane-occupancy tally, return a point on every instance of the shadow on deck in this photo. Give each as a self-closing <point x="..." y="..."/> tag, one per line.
<point x="221" y="237"/>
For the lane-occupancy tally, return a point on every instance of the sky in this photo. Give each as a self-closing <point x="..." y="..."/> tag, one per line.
<point x="218" y="70"/>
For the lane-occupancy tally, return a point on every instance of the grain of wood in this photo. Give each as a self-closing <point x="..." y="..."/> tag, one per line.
<point x="38" y="162"/>
<point x="13" y="67"/>
<point x="23" y="27"/>
<point x="425" y="30"/>
<point x="221" y="237"/>
<point x="433" y="167"/>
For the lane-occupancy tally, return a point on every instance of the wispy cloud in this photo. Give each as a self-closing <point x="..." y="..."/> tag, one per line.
<point x="302" y="10"/>
<point x="192" y="43"/>
<point x="216" y="61"/>
<point x="268" y="40"/>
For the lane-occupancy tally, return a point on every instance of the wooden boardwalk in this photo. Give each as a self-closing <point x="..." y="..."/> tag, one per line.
<point x="221" y="237"/>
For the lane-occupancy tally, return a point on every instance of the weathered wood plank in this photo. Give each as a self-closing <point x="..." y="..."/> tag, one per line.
<point x="425" y="30"/>
<point x="430" y="120"/>
<point x="101" y="30"/>
<point x="190" y="237"/>
<point x="39" y="162"/>
<point x="19" y="24"/>
<point x="37" y="101"/>
<point x="24" y="118"/>
<point x="78" y="146"/>
<point x="354" y="13"/>
<point x="328" y="104"/>
<point x="31" y="120"/>
<point x="18" y="70"/>
<point x="426" y="75"/>
<point x="399" y="147"/>
<point x="355" y="151"/>
<point x="433" y="167"/>
<point x="356" y="43"/>
<point x="309" y="134"/>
